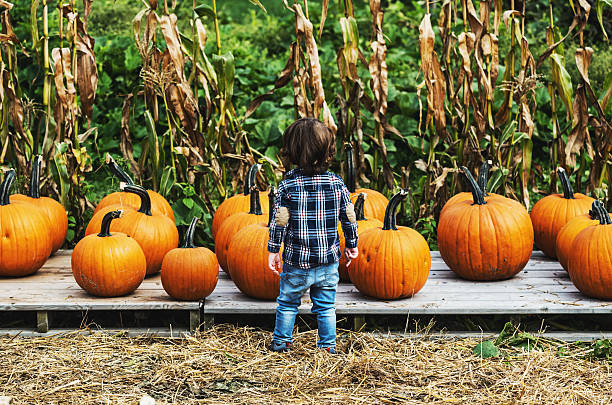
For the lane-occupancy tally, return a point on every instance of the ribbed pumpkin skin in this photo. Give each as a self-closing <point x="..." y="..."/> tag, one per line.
<point x="25" y="242"/>
<point x="391" y="263"/>
<point x="108" y="266"/>
<point x="55" y="212"/>
<point x="375" y="203"/>
<point x="485" y="242"/>
<point x="247" y="261"/>
<point x="229" y="228"/>
<point x="159" y="205"/>
<point x="189" y="273"/>
<point x="590" y="264"/>
<point x="156" y="235"/>
<point x="567" y="234"/>
<point x="551" y="213"/>
<point x="93" y="227"/>
<point x="362" y="226"/>
<point x="234" y="205"/>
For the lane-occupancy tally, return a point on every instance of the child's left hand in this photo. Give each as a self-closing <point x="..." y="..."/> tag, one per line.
<point x="274" y="263"/>
<point x="350" y="254"/>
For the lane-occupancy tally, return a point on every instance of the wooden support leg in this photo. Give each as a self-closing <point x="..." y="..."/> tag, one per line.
<point x="194" y="320"/>
<point x="42" y="322"/>
<point x="358" y="322"/>
<point x="208" y="321"/>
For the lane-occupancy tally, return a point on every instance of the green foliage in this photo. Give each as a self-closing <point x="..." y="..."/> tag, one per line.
<point x="486" y="349"/>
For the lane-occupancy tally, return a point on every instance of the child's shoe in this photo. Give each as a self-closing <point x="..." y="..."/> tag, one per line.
<point x="280" y="347"/>
<point x="330" y="349"/>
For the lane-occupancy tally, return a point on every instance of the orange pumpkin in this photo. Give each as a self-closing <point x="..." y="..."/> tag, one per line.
<point x="393" y="261"/>
<point x="55" y="212"/>
<point x="25" y="242"/>
<point x="189" y="272"/>
<point x="108" y="265"/>
<point x="156" y="234"/>
<point x="363" y="224"/>
<point x="483" y="179"/>
<point x="236" y="222"/>
<point x="569" y="231"/>
<point x="96" y="221"/>
<point x="240" y="202"/>
<point x="375" y="203"/>
<point x="159" y="205"/>
<point x="590" y="262"/>
<point x="485" y="240"/>
<point x="552" y="212"/>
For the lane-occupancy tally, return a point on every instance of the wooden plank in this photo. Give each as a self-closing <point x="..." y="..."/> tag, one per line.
<point x="42" y="321"/>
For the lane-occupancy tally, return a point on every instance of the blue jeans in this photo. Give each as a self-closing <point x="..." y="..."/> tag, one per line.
<point x="294" y="282"/>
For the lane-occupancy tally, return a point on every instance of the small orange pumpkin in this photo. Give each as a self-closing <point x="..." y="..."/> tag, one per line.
<point x="108" y="265"/>
<point x="552" y="212"/>
<point x="159" y="205"/>
<point x="375" y="203"/>
<point x="190" y="272"/>
<point x="58" y="219"/>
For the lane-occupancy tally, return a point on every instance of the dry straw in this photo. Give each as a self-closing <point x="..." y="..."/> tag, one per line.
<point x="227" y="365"/>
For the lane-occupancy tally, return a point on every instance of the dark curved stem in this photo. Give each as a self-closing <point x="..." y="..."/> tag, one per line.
<point x="477" y="193"/>
<point x="118" y="171"/>
<point x="359" y="211"/>
<point x="255" y="202"/>
<point x="188" y="242"/>
<point x="391" y="210"/>
<point x="5" y="187"/>
<point x="350" y="168"/>
<point x="604" y="216"/>
<point x="568" y="192"/>
<point x="271" y="201"/>
<point x="35" y="178"/>
<point x="594" y="211"/>
<point x="483" y="176"/>
<point x="145" y="199"/>
<point x="251" y="178"/>
<point x="106" y="222"/>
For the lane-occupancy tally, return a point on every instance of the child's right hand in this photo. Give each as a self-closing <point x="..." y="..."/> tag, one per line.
<point x="350" y="254"/>
<point x="274" y="263"/>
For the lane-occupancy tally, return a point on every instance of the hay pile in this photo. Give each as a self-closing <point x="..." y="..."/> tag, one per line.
<point x="231" y="365"/>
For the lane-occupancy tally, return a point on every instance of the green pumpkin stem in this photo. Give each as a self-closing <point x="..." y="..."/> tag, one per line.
<point x="35" y="178"/>
<point x="359" y="207"/>
<point x="106" y="222"/>
<point x="118" y="171"/>
<point x="477" y="193"/>
<point x="250" y="178"/>
<point x="271" y="201"/>
<point x="145" y="199"/>
<point x="255" y="207"/>
<point x="5" y="187"/>
<point x="188" y="242"/>
<point x="568" y="192"/>
<point x="483" y="176"/>
<point x="391" y="210"/>
<point x="350" y="168"/>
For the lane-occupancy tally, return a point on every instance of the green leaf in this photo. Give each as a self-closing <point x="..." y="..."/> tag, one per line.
<point x="224" y="67"/>
<point x="167" y="181"/>
<point x="519" y="136"/>
<point x="258" y="4"/>
<point x="204" y="10"/>
<point x="34" y="24"/>
<point x="188" y="202"/>
<point x="599" y="7"/>
<point x="508" y="132"/>
<point x="486" y="350"/>
<point x="562" y="81"/>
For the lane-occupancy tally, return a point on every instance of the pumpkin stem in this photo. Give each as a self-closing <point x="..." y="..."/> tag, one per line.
<point x="188" y="242"/>
<point x="5" y="187"/>
<point x="483" y="176"/>
<point x="359" y="211"/>
<point x="118" y="171"/>
<point x="391" y="210"/>
<point x="145" y="199"/>
<point x="568" y="192"/>
<point x="604" y="216"/>
<point x="477" y="193"/>
<point x="350" y="168"/>
<point x="255" y="202"/>
<point x="594" y="211"/>
<point x="106" y="222"/>
<point x="271" y="201"/>
<point x="35" y="178"/>
<point x="251" y="178"/>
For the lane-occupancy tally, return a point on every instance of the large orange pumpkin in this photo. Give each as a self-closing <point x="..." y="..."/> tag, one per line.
<point x="483" y="179"/>
<point x="394" y="261"/>
<point x="96" y="221"/>
<point x="156" y="234"/>
<point x="58" y="219"/>
<point x="590" y="262"/>
<point x="375" y="203"/>
<point x="247" y="262"/>
<point x="552" y="212"/>
<point x="363" y="224"/>
<point x="108" y="265"/>
<point x="190" y="272"/>
<point x="236" y="222"/>
<point x="569" y="231"/>
<point x="485" y="240"/>
<point x="240" y="202"/>
<point x="25" y="241"/>
<point x="159" y="205"/>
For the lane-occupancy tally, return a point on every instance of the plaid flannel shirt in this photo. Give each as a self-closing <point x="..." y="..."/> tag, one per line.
<point x="315" y="204"/>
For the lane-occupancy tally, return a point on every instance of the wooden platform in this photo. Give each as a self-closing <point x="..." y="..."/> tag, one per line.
<point x="543" y="287"/>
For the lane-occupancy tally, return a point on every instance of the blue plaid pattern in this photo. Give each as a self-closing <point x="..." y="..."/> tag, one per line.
<point x="315" y="204"/>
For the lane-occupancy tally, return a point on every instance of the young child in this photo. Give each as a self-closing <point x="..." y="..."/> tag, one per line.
<point x="310" y="202"/>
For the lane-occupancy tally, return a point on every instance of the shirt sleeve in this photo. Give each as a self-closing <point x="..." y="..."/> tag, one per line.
<point x="349" y="226"/>
<point x="277" y="231"/>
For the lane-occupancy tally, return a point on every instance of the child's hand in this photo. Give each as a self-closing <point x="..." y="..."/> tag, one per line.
<point x="350" y="254"/>
<point x="274" y="263"/>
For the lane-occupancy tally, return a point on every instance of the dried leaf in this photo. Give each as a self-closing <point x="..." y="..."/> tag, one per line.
<point x="173" y="42"/>
<point x="323" y="16"/>
<point x="126" y="146"/>
<point x="577" y="137"/>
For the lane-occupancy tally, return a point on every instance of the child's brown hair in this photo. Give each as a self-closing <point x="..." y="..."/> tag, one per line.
<point x="309" y="144"/>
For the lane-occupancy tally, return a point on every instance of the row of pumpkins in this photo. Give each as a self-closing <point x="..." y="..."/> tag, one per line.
<point x="481" y="236"/>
